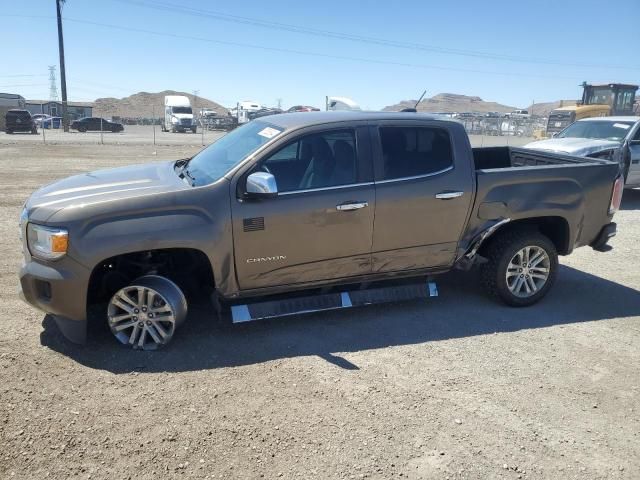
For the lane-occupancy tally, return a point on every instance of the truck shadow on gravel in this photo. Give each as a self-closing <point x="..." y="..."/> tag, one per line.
<point x="461" y="310"/>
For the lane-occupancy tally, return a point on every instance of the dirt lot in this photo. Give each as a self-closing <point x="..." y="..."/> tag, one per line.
<point x="457" y="387"/>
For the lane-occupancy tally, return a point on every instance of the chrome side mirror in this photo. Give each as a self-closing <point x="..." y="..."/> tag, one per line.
<point x="262" y="185"/>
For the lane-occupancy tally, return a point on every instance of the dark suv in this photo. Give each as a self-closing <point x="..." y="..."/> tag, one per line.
<point x="20" y="121"/>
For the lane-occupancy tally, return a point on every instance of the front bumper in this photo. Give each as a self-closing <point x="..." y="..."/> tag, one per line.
<point x="59" y="289"/>
<point x="607" y="232"/>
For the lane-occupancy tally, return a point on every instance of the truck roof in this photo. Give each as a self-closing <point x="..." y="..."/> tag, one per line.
<point x="303" y="119"/>
<point x="176" y="100"/>
<point x="627" y="118"/>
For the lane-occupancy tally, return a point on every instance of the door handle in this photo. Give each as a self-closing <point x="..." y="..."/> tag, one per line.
<point x="346" y="207"/>
<point x="448" y="195"/>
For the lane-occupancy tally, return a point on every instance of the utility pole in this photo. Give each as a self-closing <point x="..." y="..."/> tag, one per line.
<point x="63" y="74"/>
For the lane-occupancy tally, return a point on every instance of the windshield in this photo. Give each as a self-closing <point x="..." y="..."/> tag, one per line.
<point x="181" y="110"/>
<point x="600" y="96"/>
<point x="216" y="160"/>
<point x="603" y="130"/>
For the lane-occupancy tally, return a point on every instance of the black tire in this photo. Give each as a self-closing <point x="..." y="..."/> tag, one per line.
<point x="500" y="253"/>
<point x="9" y="132"/>
<point x="82" y="129"/>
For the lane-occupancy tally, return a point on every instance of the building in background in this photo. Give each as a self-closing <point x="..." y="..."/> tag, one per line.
<point x="50" y="107"/>
<point x="12" y="100"/>
<point x="7" y="102"/>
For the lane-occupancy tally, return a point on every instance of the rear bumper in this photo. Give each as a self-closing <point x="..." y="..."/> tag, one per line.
<point x="607" y="232"/>
<point x="59" y="291"/>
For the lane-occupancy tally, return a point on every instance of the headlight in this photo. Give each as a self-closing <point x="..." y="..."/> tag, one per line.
<point x="24" y="218"/>
<point x="174" y="120"/>
<point x="47" y="242"/>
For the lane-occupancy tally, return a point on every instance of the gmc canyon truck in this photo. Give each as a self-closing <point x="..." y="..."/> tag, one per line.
<point x="308" y="211"/>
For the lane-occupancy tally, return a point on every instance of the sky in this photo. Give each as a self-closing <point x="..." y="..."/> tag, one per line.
<point x="376" y="53"/>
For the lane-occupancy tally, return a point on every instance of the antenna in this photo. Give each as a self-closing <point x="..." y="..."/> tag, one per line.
<point x="53" y="88"/>
<point x="420" y="99"/>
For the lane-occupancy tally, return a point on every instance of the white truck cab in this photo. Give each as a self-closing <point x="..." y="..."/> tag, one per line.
<point x="178" y="116"/>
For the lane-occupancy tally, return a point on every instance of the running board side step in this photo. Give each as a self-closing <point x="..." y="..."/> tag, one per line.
<point x="332" y="301"/>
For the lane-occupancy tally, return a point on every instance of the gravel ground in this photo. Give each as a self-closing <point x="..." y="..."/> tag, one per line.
<point x="456" y="387"/>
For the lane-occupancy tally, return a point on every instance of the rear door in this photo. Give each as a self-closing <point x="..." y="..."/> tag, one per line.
<point x="320" y="225"/>
<point x="424" y="191"/>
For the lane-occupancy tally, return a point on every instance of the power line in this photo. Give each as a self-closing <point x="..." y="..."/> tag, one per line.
<point x="307" y="53"/>
<point x="216" y="15"/>
<point x="315" y="54"/>
<point x="24" y="85"/>
<point x="23" y="75"/>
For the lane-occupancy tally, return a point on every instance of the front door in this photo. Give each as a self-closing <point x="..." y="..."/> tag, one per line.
<point x="320" y="225"/>
<point x="423" y="196"/>
<point x="633" y="178"/>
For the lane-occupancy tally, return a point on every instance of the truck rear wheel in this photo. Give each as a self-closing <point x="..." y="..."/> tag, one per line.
<point x="145" y="314"/>
<point x="522" y="267"/>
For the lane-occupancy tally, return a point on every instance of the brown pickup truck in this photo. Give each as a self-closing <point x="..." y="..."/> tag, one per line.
<point x="308" y="211"/>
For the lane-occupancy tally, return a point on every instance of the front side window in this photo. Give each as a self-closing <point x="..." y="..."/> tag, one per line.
<point x="625" y="100"/>
<point x="414" y="151"/>
<point x="319" y="160"/>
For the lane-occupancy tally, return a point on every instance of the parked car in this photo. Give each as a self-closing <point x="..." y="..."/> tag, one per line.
<point x="601" y="137"/>
<point x="52" y="122"/>
<point x="264" y="112"/>
<point x="19" y="121"/>
<point x="302" y="108"/>
<point x="39" y="118"/>
<point x="96" y="124"/>
<point x="284" y="205"/>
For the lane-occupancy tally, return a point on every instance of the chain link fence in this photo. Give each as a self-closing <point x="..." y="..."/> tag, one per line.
<point x="210" y="125"/>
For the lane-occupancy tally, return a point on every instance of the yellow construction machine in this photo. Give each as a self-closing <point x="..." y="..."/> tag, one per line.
<point x="597" y="101"/>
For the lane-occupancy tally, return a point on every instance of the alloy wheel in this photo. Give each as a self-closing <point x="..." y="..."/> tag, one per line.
<point x="528" y="271"/>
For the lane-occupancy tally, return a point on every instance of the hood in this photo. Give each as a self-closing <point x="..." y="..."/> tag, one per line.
<point x="573" y="146"/>
<point x="114" y="184"/>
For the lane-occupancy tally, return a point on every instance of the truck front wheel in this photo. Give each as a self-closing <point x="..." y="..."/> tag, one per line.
<point x="145" y="314"/>
<point x="521" y="267"/>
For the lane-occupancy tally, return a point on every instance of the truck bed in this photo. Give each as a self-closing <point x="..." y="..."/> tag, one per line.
<point x="512" y="183"/>
<point x="507" y="157"/>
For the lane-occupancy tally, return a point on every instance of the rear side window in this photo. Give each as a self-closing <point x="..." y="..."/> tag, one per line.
<point x="414" y="151"/>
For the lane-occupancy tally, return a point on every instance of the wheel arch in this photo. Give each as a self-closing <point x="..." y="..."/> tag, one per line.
<point x="189" y="268"/>
<point x="553" y="227"/>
